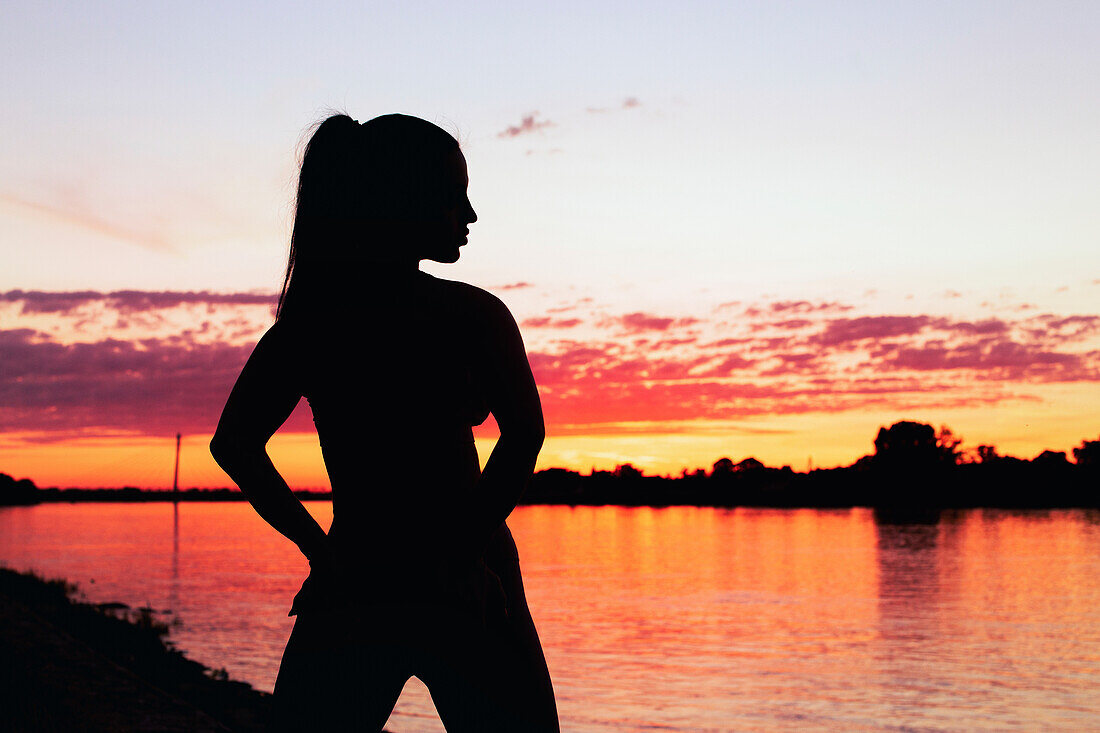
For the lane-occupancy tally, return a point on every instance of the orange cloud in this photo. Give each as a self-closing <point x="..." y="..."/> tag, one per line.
<point x="763" y="363"/>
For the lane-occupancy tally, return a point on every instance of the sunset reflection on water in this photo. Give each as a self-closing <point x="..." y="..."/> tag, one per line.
<point x="677" y="618"/>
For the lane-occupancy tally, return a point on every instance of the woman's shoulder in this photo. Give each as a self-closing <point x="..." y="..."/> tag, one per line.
<point x="470" y="299"/>
<point x="282" y="329"/>
<point x="287" y="336"/>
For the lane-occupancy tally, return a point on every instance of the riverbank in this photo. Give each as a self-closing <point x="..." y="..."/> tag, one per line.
<point x="69" y="665"/>
<point x="1047" y="482"/>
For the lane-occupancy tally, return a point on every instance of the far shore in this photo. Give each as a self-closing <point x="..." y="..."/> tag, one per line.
<point x="913" y="468"/>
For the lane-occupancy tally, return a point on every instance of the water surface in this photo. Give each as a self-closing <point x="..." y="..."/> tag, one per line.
<point x="689" y="619"/>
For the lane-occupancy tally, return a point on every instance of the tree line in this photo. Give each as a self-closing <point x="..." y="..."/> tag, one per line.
<point x="913" y="467"/>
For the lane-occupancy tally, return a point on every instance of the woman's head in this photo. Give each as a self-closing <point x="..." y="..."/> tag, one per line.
<point x="389" y="191"/>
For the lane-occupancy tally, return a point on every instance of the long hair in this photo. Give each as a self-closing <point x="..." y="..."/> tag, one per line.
<point x="358" y="181"/>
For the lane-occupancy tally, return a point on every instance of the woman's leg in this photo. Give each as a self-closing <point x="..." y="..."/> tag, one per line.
<point x="528" y="673"/>
<point x="480" y="681"/>
<point x="501" y="668"/>
<point x="327" y="682"/>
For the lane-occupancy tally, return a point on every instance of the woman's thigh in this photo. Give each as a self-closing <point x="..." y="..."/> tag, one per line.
<point x="483" y="680"/>
<point x="327" y="682"/>
<point x="501" y="668"/>
<point x="347" y="671"/>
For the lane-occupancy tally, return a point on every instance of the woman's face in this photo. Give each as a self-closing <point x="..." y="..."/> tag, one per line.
<point x="442" y="238"/>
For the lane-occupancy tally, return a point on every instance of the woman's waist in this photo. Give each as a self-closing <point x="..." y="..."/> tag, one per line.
<point x="405" y="543"/>
<point x="396" y="434"/>
<point x="405" y="582"/>
<point x="387" y="469"/>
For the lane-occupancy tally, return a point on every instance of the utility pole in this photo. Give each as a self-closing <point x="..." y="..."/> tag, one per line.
<point x="176" y="477"/>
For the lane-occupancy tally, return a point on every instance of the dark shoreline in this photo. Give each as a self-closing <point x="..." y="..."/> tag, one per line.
<point x="1007" y="484"/>
<point x="72" y="665"/>
<point x="913" y="468"/>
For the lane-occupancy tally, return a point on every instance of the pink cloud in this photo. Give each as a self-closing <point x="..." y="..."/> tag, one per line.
<point x="126" y="301"/>
<point x="628" y="103"/>
<point x="799" y="363"/>
<point x="805" y="306"/>
<point x="528" y="124"/>
<point x="547" y="322"/>
<point x="1006" y="359"/>
<point x="566" y="307"/>
<point x="639" y="321"/>
<point x="151" y="386"/>
<point x="773" y="345"/>
<point x="672" y="342"/>
<point x="731" y="363"/>
<point x="646" y="371"/>
<point x="789" y="324"/>
<point x="722" y="343"/>
<point x="513" y="286"/>
<point x="1056" y="329"/>
<point x="988" y="326"/>
<point x="842" y="331"/>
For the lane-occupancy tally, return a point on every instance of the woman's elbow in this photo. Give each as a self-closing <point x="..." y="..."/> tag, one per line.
<point x="530" y="438"/>
<point x="220" y="449"/>
<point x="227" y="449"/>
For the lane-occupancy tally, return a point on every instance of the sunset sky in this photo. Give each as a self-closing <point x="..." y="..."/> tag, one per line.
<point x="726" y="229"/>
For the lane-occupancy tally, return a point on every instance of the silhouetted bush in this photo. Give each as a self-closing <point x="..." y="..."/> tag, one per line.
<point x="913" y="467"/>
<point x="12" y="492"/>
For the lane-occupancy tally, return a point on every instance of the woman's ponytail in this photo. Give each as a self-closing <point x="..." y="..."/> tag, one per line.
<point x="353" y="175"/>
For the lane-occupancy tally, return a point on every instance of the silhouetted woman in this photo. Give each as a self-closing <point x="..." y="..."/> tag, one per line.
<point x="418" y="574"/>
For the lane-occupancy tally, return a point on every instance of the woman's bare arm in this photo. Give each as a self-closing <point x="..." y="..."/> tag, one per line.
<point x="265" y="394"/>
<point x="514" y="402"/>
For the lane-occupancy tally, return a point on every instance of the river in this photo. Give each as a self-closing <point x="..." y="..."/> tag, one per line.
<point x="682" y="618"/>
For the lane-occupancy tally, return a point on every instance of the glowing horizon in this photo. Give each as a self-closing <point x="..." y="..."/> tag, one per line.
<point x="786" y="382"/>
<point x="725" y="231"/>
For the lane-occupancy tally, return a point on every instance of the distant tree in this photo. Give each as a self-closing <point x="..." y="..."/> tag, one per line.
<point x="907" y="443"/>
<point x="1051" y="459"/>
<point x="1088" y="454"/>
<point x="22" y="491"/>
<point x="749" y="464"/>
<point x="722" y="467"/>
<point x="627" y="471"/>
<point x="948" y="444"/>
<point x="864" y="463"/>
<point x="552" y="485"/>
<point x="987" y="454"/>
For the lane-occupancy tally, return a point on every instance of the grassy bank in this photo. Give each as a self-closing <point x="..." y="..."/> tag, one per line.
<point x="70" y="665"/>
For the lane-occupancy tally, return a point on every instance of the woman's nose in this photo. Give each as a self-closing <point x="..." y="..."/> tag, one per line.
<point x="471" y="215"/>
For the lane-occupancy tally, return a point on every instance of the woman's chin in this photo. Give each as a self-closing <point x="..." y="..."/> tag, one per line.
<point x="445" y="257"/>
